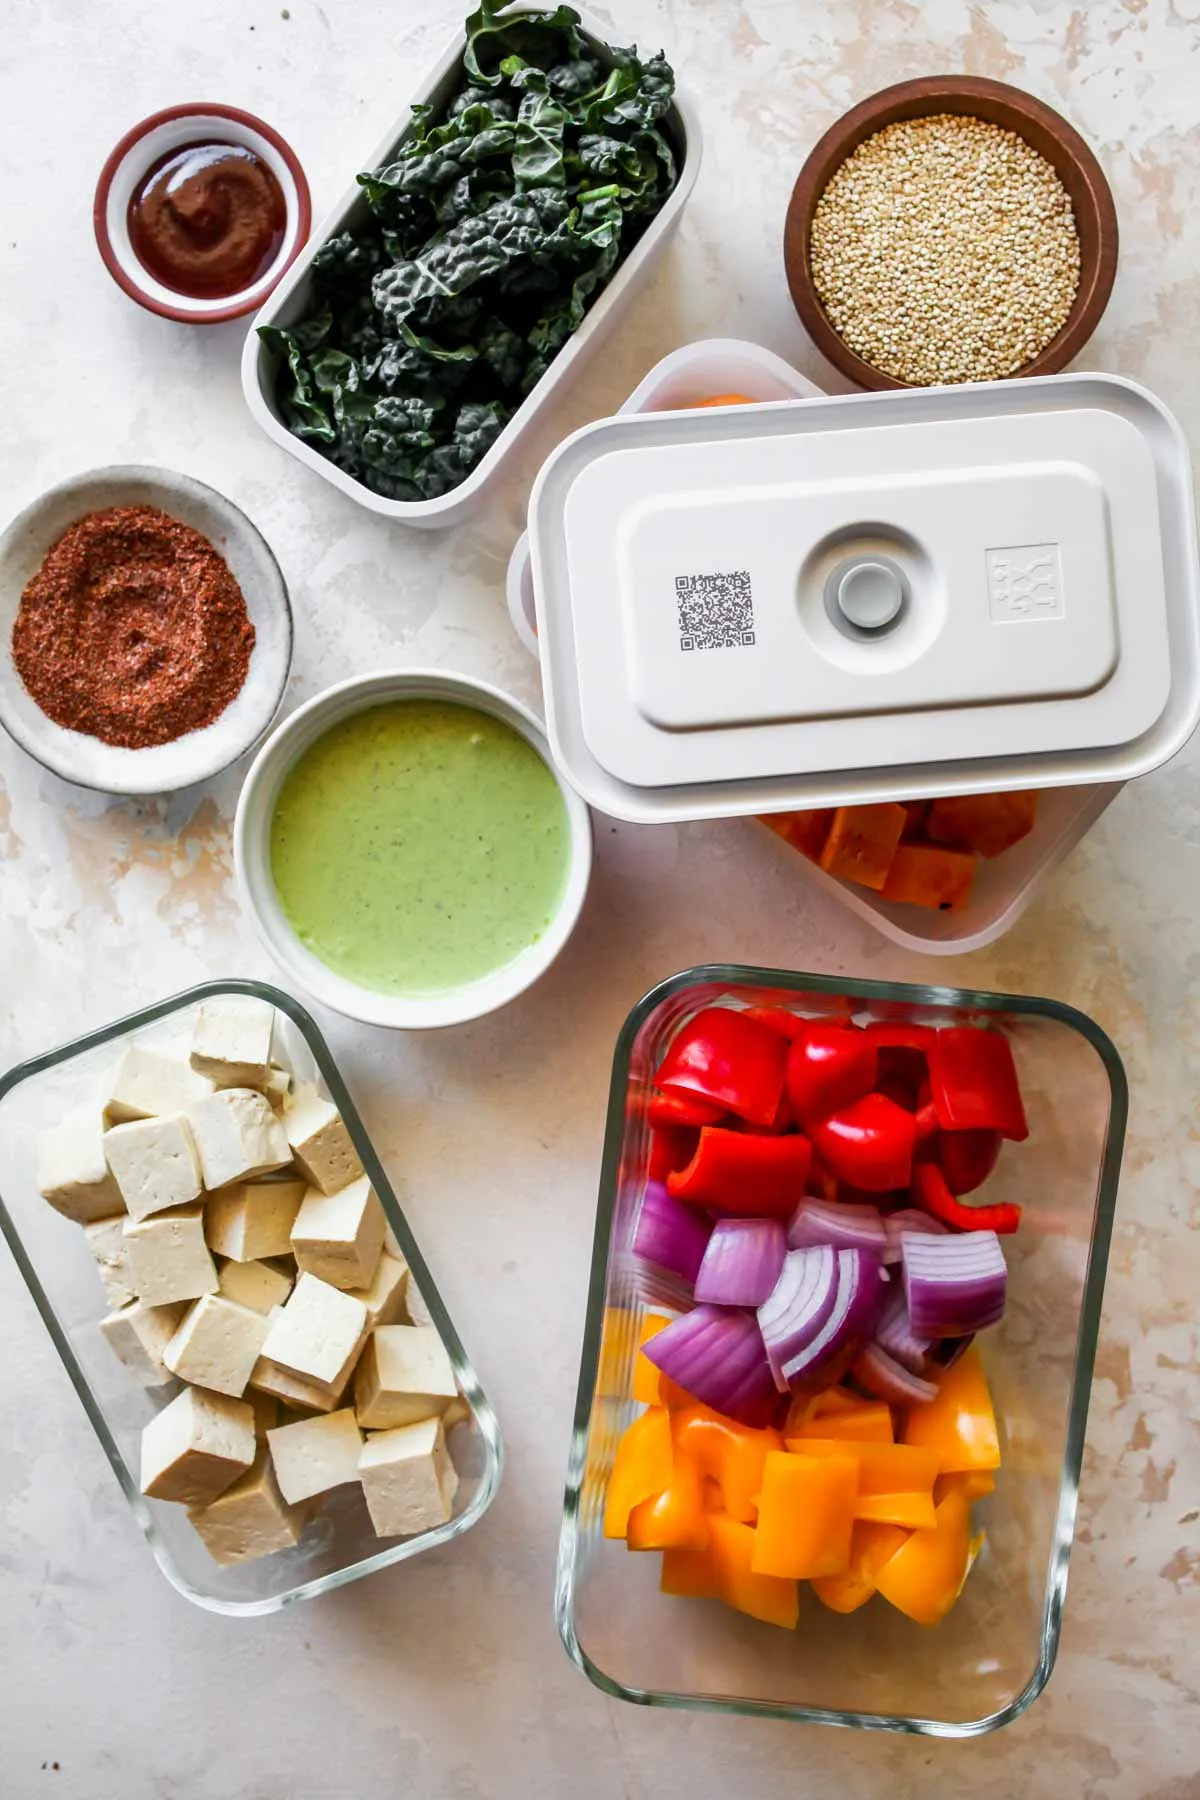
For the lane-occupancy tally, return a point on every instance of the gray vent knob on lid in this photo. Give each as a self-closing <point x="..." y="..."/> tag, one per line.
<point x="869" y="595"/>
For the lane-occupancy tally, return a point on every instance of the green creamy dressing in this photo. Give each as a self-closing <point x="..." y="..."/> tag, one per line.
<point x="418" y="846"/>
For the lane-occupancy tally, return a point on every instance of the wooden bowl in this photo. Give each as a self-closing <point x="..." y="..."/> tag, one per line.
<point x="1039" y="125"/>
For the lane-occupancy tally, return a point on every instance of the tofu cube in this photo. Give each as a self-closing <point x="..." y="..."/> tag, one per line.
<point x="457" y="1413"/>
<point x="249" y="1519"/>
<point x="339" y="1236"/>
<point x="147" y="1082"/>
<point x="278" y="1088"/>
<point x="231" y="1040"/>
<point x="414" y="1305"/>
<point x="155" y="1163"/>
<point x="138" y="1335"/>
<point x="314" y="1455"/>
<point x="217" y="1345"/>
<point x="254" y="1284"/>
<point x="384" y="1299"/>
<point x="321" y="1146"/>
<point x="253" y="1219"/>
<point x="318" y="1333"/>
<point x="266" y="1410"/>
<point x="281" y="1385"/>
<point x="408" y="1479"/>
<point x="237" y="1136"/>
<point x="72" y="1170"/>
<point x="168" y="1257"/>
<point x="405" y="1374"/>
<point x="197" y="1447"/>
<point x="106" y="1241"/>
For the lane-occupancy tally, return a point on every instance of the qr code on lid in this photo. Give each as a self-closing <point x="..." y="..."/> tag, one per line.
<point x="716" y="612"/>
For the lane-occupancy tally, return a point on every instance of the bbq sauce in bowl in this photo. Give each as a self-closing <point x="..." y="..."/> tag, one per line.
<point x="207" y="220"/>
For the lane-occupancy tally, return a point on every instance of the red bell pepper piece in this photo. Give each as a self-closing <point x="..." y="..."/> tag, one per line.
<point x="967" y="1158"/>
<point x="682" y="1109"/>
<point x="741" y="1173"/>
<point x="828" y="1067"/>
<point x="887" y="1034"/>
<point x="868" y="1143"/>
<point x="671" y="1147"/>
<point x="929" y="1190"/>
<point x="778" y="1019"/>
<point x="974" y="1083"/>
<point x="729" y="1059"/>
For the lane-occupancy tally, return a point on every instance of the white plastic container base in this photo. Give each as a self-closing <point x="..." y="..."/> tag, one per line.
<point x="691" y="373"/>
<point x="290" y="301"/>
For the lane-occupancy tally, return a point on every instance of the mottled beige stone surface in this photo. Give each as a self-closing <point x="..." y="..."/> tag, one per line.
<point x="443" y="1679"/>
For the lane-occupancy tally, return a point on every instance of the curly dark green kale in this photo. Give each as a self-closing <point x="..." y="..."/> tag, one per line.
<point x="492" y="230"/>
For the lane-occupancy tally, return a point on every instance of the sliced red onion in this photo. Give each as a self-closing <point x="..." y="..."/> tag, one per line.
<point x="844" y="1227"/>
<point x="670" y="1234"/>
<point x="717" y="1354"/>
<point x="895" y="1334"/>
<point x="798" y="1305"/>
<point x="881" y="1375"/>
<point x="908" y="1218"/>
<point x="742" y="1262"/>
<point x="954" y="1284"/>
<point x="856" y="1305"/>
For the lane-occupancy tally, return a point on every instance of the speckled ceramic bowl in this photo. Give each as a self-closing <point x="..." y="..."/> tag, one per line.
<point x="197" y="755"/>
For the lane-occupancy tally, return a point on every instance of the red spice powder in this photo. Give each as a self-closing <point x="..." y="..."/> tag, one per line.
<point x="133" y="630"/>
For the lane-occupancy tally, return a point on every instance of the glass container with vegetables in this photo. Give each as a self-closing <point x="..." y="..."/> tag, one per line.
<point x="845" y="1295"/>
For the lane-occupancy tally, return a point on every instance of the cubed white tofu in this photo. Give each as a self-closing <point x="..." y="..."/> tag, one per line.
<point x="339" y="1236"/>
<point x="138" y="1335"/>
<point x="197" y="1447"/>
<point x="249" y="1519"/>
<point x="408" y="1479"/>
<point x="253" y="1219"/>
<point x="404" y="1374"/>
<point x="414" y="1305"/>
<point x="457" y="1413"/>
<point x="231" y="1040"/>
<point x="168" y="1257"/>
<point x="217" y="1345"/>
<point x="278" y="1089"/>
<point x="154" y="1161"/>
<point x="384" y="1298"/>
<point x="254" y="1284"/>
<point x="237" y="1136"/>
<point x="106" y="1241"/>
<point x="146" y="1082"/>
<point x="281" y="1385"/>
<point x="321" y="1146"/>
<point x="318" y="1333"/>
<point x="314" y="1455"/>
<point x="266" y="1411"/>
<point x="72" y="1170"/>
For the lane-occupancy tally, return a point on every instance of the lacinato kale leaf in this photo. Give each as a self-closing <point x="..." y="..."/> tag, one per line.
<point x="490" y="230"/>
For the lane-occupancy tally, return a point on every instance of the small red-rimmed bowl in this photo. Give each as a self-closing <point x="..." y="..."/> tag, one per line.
<point x="145" y="145"/>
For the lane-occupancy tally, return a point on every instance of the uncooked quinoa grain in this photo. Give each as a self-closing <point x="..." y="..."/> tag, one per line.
<point x="944" y="249"/>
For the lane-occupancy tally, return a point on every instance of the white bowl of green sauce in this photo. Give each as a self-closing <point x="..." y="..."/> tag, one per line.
<point x="408" y="851"/>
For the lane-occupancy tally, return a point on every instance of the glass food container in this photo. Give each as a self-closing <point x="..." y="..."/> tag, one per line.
<point x="874" y="1669"/>
<point x="52" y="1254"/>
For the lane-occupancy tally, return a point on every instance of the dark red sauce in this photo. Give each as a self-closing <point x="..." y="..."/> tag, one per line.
<point x="207" y="220"/>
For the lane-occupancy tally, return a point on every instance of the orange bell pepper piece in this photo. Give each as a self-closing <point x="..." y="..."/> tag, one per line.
<point x="895" y="1481"/>
<point x="642" y="1468"/>
<point x="645" y="1375"/>
<point x="676" y="1518"/>
<point x="728" y="1454"/>
<point x="870" y="1423"/>
<point x="805" y="1516"/>
<point x="976" y="1484"/>
<point x="871" y="1546"/>
<point x="689" y="1573"/>
<point x="925" y="1576"/>
<point x="862" y="842"/>
<point x="959" y="1425"/>
<point x="770" y="1598"/>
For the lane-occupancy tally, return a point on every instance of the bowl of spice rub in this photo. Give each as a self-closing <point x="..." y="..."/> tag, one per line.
<point x="145" y="631"/>
<point x="950" y="229"/>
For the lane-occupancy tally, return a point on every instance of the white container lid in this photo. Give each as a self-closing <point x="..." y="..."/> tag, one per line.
<point x="868" y="597"/>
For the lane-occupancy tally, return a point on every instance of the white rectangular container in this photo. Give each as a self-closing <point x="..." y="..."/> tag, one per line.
<point x="290" y="301"/>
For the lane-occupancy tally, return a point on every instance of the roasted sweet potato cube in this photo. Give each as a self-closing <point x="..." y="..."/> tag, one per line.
<point x="862" y="842"/>
<point x="804" y="831"/>
<point x="985" y="823"/>
<point x="925" y="875"/>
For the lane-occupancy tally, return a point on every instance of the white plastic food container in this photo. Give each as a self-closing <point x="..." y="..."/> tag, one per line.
<point x="290" y="301"/>
<point x="876" y="597"/>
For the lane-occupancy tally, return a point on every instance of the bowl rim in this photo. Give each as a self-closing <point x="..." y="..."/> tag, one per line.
<point x="236" y="306"/>
<point x="864" y="992"/>
<point x="251" y="826"/>
<point x="905" y="100"/>
<point x="171" y="482"/>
